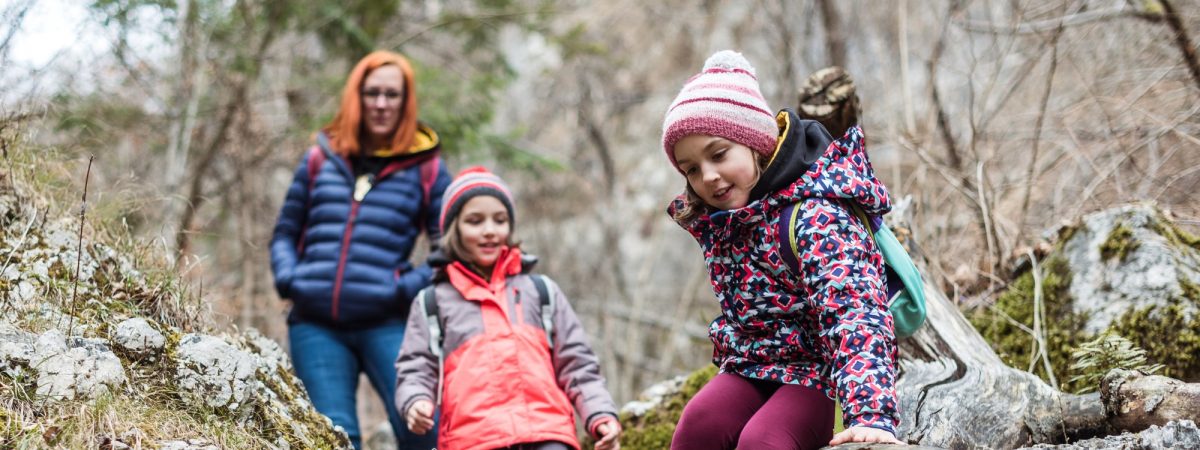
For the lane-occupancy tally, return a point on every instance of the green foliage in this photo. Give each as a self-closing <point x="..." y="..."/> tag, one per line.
<point x="1176" y="235"/>
<point x="478" y="27"/>
<point x="575" y="43"/>
<point x="349" y="28"/>
<point x="1062" y="329"/>
<point x="654" y="429"/>
<point x="1108" y="351"/>
<point x="460" y="111"/>
<point x="1118" y="244"/>
<point x="94" y="118"/>
<point x="1169" y="334"/>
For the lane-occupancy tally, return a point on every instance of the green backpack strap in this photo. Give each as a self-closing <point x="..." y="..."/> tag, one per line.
<point x="905" y="289"/>
<point x="906" y="300"/>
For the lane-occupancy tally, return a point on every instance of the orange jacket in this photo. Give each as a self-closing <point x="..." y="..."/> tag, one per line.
<point x="503" y="384"/>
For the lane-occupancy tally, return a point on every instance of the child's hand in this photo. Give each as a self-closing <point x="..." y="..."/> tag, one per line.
<point x="864" y="434"/>
<point x="420" y="417"/>
<point x="608" y="431"/>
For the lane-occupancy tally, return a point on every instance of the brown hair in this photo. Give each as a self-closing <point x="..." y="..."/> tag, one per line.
<point x="344" y="130"/>
<point x="694" y="206"/>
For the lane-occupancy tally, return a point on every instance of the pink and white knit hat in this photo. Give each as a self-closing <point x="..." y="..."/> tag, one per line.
<point x="722" y="100"/>
<point x="470" y="183"/>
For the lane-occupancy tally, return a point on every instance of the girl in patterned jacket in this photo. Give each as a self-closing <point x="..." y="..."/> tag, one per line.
<point x="503" y="381"/>
<point x="786" y="344"/>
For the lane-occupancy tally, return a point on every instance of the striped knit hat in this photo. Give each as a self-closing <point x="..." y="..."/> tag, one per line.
<point x="470" y="183"/>
<point x="722" y="100"/>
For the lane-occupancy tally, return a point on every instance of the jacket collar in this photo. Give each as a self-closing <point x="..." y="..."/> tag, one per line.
<point x="473" y="286"/>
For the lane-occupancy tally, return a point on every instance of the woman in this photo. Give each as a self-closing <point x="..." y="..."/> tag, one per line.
<point x="347" y="227"/>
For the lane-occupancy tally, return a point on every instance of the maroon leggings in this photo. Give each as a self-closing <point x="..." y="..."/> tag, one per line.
<point x="735" y="412"/>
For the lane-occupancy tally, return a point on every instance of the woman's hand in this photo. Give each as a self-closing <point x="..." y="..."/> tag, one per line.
<point x="420" y="417"/>
<point x="609" y="433"/>
<point x="864" y="434"/>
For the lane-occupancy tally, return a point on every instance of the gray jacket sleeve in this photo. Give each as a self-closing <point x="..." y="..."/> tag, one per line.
<point x="416" y="366"/>
<point x="576" y="366"/>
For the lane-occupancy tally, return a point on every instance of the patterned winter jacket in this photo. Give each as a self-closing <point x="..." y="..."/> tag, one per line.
<point x="503" y="384"/>
<point x="828" y="328"/>
<point x="344" y="262"/>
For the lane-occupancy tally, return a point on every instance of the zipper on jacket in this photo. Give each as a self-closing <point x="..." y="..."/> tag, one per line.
<point x="355" y="201"/>
<point x="341" y="267"/>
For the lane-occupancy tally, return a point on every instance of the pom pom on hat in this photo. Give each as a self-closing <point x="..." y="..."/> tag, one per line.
<point x="722" y="100"/>
<point x="730" y="60"/>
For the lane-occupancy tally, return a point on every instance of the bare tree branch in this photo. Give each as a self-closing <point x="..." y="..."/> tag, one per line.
<point x="1042" y="26"/>
<point x="236" y="104"/>
<point x="1182" y="40"/>
<point x="1031" y="177"/>
<point x="19" y="10"/>
<point x="835" y="38"/>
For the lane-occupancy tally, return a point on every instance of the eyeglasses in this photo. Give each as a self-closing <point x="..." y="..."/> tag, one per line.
<point x="373" y="94"/>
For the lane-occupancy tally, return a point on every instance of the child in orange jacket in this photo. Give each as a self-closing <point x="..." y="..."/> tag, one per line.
<point x="477" y="340"/>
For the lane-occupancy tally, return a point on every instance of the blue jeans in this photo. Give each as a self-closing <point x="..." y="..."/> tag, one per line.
<point x="329" y="361"/>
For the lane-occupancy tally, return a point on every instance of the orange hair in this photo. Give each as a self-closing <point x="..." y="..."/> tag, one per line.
<point x="344" y="130"/>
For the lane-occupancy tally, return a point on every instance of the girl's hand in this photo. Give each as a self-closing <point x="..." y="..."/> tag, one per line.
<point x="420" y="417"/>
<point x="609" y="432"/>
<point x="864" y="434"/>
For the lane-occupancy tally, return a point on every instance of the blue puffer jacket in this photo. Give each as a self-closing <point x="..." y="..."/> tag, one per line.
<point x="344" y="262"/>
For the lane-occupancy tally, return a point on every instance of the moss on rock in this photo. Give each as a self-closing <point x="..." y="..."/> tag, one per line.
<point x="1169" y="335"/>
<point x="653" y="430"/>
<point x="1119" y="244"/>
<point x="1176" y="235"/>
<point x="1062" y="327"/>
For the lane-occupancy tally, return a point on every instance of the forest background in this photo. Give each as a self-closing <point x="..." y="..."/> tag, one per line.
<point x="997" y="120"/>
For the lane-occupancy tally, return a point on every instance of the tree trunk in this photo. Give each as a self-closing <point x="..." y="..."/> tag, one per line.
<point x="955" y="392"/>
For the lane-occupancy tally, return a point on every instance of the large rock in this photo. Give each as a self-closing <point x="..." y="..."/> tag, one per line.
<point x="74" y="368"/>
<point x="16" y="349"/>
<point x="210" y="371"/>
<point x="1128" y="271"/>
<point x="138" y="338"/>
<point x="1129" y="258"/>
<point x="67" y="304"/>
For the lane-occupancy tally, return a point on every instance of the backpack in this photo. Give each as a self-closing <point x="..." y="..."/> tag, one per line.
<point x="316" y="159"/>
<point x="905" y="289"/>
<point x="427" y="301"/>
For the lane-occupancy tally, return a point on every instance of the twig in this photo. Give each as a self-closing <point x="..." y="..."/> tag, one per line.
<point x="1170" y="181"/>
<point x="950" y="178"/>
<point x="910" y="123"/>
<point x="987" y="218"/>
<point x="20" y="243"/>
<point x="1038" y="312"/>
<point x="8" y="301"/>
<point x="1061" y="22"/>
<point x="1032" y="176"/>
<point x="943" y="121"/>
<point x="79" y="245"/>
<point x="1113" y="167"/>
<point x="14" y="23"/>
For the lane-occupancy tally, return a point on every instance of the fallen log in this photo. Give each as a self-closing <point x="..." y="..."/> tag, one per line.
<point x="1135" y="401"/>
<point x="955" y="392"/>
